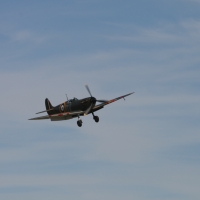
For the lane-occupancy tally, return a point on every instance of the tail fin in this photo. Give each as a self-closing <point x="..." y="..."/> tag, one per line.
<point x="48" y="105"/>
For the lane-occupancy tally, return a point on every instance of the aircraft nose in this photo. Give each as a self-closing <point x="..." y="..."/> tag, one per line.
<point x="93" y="100"/>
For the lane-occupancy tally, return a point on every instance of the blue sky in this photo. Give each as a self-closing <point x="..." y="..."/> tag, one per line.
<point x="146" y="147"/>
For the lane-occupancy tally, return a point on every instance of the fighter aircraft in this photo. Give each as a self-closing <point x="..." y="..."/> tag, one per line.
<point x="75" y="108"/>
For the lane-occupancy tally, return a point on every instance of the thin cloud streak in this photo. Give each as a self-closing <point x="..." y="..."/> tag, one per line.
<point x="136" y="151"/>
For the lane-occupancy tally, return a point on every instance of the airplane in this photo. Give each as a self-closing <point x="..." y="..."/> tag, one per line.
<point x="75" y="108"/>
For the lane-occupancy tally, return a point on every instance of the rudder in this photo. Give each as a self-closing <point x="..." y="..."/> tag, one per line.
<point x="48" y="105"/>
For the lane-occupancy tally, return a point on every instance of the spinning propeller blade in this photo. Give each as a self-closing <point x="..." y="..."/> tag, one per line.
<point x="88" y="90"/>
<point x="89" y="109"/>
<point x="102" y="101"/>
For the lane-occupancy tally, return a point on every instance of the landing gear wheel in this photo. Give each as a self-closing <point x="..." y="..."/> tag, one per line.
<point x="79" y="123"/>
<point x="96" y="118"/>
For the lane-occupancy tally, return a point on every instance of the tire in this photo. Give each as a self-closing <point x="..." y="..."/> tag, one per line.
<point x="96" y="118"/>
<point x="79" y="123"/>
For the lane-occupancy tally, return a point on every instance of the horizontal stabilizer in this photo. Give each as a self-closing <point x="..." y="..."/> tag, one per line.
<point x="44" y="111"/>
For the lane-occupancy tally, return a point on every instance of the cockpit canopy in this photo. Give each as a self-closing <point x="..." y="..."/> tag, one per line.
<point x="74" y="99"/>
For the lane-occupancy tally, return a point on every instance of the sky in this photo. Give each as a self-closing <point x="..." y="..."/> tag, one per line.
<point x="146" y="147"/>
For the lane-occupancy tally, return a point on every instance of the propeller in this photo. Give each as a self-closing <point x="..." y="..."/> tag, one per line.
<point x="102" y="101"/>
<point x="88" y="89"/>
<point x="93" y="101"/>
<point x="89" y="109"/>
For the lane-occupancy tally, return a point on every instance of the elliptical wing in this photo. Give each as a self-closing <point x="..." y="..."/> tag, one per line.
<point x="39" y="118"/>
<point x="111" y="101"/>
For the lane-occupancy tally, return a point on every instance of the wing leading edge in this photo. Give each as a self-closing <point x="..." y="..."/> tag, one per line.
<point x="39" y="118"/>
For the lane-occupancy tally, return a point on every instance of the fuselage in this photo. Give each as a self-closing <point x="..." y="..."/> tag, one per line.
<point x="72" y="105"/>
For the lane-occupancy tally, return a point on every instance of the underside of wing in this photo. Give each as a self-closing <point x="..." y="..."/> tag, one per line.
<point x="60" y="116"/>
<point x="65" y="116"/>
<point x="40" y="118"/>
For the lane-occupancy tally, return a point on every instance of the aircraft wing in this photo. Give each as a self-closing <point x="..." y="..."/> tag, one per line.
<point x="39" y="118"/>
<point x="60" y="116"/>
<point x="65" y="116"/>
<point x="110" y="101"/>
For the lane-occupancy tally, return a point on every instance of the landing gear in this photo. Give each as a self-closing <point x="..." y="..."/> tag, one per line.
<point x="96" y="118"/>
<point x="79" y="122"/>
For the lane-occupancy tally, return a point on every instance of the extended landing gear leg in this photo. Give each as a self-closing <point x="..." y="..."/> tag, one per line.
<point x="79" y="122"/>
<point x="96" y="118"/>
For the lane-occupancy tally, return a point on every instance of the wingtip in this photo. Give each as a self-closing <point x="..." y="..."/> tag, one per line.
<point x="131" y="93"/>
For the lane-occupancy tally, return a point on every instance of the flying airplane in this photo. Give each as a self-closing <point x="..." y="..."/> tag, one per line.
<point x="75" y="108"/>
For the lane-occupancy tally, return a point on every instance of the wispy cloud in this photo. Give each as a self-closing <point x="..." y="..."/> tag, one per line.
<point x="136" y="149"/>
